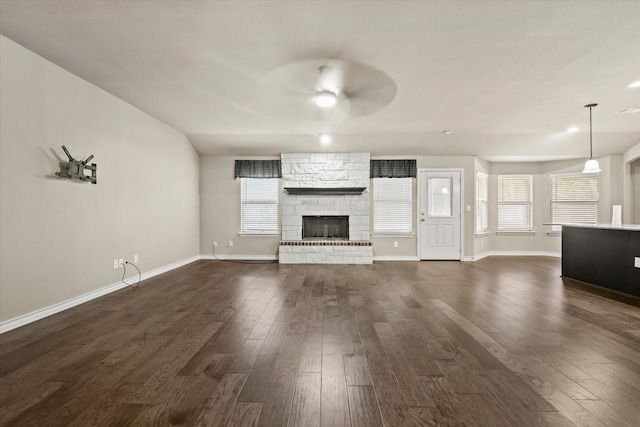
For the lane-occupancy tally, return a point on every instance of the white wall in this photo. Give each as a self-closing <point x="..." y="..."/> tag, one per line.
<point x="635" y="192"/>
<point x="630" y="186"/>
<point x="540" y="241"/>
<point x="520" y="242"/>
<point x="481" y="243"/>
<point x="220" y="212"/>
<point x="59" y="238"/>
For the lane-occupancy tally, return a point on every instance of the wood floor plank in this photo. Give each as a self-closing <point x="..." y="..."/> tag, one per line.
<point x="277" y="402"/>
<point x="259" y="379"/>
<point x="312" y="349"/>
<point x="305" y="408"/>
<point x="219" y="408"/>
<point x="245" y="414"/>
<point x="420" y="417"/>
<point x="108" y="409"/>
<point x="414" y="394"/>
<point x="31" y="396"/>
<point x="334" y="399"/>
<point x="180" y="401"/>
<point x="246" y="356"/>
<point x="364" y="407"/>
<point x="393" y="406"/>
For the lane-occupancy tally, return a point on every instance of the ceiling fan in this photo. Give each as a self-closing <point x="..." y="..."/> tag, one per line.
<point x="326" y="90"/>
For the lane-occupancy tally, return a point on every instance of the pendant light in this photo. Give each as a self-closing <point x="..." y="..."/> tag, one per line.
<point x="592" y="165"/>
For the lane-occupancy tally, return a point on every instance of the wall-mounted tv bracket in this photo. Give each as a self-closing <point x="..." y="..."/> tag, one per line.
<point x="75" y="169"/>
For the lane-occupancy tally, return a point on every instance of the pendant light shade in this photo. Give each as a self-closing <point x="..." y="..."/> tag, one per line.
<point x="592" y="165"/>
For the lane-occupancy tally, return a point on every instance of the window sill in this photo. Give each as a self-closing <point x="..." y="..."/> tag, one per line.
<point x="258" y="233"/>
<point x="554" y="233"/>
<point x="515" y="233"/>
<point x="483" y="234"/>
<point x="394" y="235"/>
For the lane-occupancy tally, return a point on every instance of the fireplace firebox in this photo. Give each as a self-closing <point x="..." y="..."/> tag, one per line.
<point x="325" y="227"/>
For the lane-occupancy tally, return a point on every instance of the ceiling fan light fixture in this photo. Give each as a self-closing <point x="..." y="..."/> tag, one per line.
<point x="326" y="99"/>
<point x="592" y="165"/>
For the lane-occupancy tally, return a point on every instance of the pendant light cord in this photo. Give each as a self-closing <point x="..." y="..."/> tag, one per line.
<point x="590" y="135"/>
<point x="590" y="106"/>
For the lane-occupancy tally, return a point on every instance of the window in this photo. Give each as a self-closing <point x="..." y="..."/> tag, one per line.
<point x="259" y="205"/>
<point x="482" y="212"/>
<point x="392" y="205"/>
<point x="574" y="199"/>
<point x="439" y="197"/>
<point x="515" y="202"/>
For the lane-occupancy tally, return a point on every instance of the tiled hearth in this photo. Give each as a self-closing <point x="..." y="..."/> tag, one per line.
<point x="325" y="243"/>
<point x="313" y="171"/>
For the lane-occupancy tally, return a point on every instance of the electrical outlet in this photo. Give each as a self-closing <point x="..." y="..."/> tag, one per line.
<point x="395" y="244"/>
<point x="120" y="262"/>
<point x="115" y="264"/>
<point x="135" y="259"/>
<point x="636" y="263"/>
<point x="215" y="244"/>
<point x="230" y="242"/>
<point x="468" y="208"/>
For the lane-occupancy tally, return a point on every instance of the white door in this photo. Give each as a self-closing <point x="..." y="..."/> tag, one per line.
<point x="439" y="215"/>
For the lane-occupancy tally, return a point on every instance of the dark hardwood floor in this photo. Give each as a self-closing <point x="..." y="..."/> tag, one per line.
<point x="499" y="342"/>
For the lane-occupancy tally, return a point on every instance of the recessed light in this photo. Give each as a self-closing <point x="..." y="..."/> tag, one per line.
<point x="325" y="138"/>
<point x="634" y="84"/>
<point x="447" y="132"/>
<point x="572" y="129"/>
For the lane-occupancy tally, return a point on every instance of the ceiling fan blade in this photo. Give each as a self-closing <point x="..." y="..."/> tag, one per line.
<point x="290" y="90"/>
<point x="368" y="89"/>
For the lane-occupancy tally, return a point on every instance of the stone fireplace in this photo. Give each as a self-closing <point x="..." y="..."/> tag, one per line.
<point x="323" y="187"/>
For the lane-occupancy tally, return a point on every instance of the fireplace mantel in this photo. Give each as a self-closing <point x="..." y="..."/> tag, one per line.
<point x="324" y="191"/>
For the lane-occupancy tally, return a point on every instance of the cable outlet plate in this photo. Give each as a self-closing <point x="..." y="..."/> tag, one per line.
<point x="135" y="259"/>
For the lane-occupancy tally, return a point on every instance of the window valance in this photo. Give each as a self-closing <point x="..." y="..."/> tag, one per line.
<point x="404" y="168"/>
<point x="258" y="169"/>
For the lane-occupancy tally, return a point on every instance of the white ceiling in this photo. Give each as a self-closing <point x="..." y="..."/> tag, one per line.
<point x="506" y="77"/>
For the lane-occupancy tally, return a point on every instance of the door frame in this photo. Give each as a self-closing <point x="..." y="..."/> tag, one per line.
<point x="420" y="193"/>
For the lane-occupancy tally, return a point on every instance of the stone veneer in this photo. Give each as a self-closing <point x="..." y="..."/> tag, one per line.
<point x="325" y="170"/>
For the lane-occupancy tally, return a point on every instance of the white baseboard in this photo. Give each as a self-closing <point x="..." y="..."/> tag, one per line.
<point x="511" y="253"/>
<point x="395" y="258"/>
<point x="25" y="319"/>
<point x="226" y="257"/>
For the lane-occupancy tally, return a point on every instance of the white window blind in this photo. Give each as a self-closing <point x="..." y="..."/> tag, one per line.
<point x="259" y="209"/>
<point x="392" y="205"/>
<point x="515" y="202"/>
<point x="482" y="211"/>
<point x="574" y="199"/>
